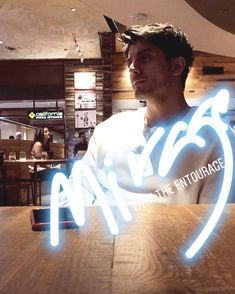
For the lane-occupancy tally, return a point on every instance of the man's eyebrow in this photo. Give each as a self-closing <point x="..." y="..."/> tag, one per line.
<point x="140" y="53"/>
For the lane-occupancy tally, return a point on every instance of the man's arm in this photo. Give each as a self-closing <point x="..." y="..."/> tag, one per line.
<point x="75" y="149"/>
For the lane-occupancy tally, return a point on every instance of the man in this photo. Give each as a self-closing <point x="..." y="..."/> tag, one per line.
<point x="159" y="57"/>
<point x="82" y="145"/>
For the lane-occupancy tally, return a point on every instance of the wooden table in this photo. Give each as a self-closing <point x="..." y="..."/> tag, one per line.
<point x="35" y="163"/>
<point x="145" y="258"/>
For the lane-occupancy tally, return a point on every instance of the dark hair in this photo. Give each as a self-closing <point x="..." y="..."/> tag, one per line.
<point x="82" y="133"/>
<point x="171" y="40"/>
<point x="39" y="137"/>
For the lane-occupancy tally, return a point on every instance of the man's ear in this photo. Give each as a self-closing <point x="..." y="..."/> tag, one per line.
<point x="177" y="66"/>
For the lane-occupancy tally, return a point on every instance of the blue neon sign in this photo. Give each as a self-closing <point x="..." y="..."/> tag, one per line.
<point x="173" y="146"/>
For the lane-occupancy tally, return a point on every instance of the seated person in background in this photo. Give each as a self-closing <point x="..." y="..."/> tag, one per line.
<point x="80" y="146"/>
<point x="44" y="137"/>
<point x="36" y="153"/>
<point x="46" y="140"/>
<point x="45" y="171"/>
<point x="11" y="137"/>
<point x="36" y="150"/>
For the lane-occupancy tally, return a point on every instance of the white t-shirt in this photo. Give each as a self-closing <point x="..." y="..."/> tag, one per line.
<point x="195" y="176"/>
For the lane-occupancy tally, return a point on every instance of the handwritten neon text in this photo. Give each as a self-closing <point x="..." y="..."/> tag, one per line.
<point x="171" y="150"/>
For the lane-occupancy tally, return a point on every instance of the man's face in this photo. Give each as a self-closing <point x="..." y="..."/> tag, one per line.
<point x="149" y="70"/>
<point x="83" y="138"/>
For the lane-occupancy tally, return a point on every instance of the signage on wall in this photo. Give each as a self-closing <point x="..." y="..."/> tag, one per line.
<point x="85" y="119"/>
<point x="48" y="115"/>
<point x="85" y="99"/>
<point x="84" y="80"/>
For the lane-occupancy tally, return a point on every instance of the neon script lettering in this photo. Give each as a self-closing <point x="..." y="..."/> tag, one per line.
<point x="173" y="146"/>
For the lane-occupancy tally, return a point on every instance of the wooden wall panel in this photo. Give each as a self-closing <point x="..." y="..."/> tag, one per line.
<point x="198" y="85"/>
<point x="122" y="88"/>
<point x="92" y="65"/>
<point x="107" y="48"/>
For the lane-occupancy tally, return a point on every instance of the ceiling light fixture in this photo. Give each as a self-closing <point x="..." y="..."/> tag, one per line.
<point x="1" y="42"/>
<point x="78" y="48"/>
<point x="73" y="9"/>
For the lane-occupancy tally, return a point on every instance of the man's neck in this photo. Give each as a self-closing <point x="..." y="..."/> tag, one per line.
<point x="163" y="110"/>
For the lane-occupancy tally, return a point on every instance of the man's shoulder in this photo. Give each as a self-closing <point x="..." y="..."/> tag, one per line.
<point x="124" y="115"/>
<point x="77" y="144"/>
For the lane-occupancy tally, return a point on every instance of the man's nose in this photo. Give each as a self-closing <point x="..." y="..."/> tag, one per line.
<point x="134" y="67"/>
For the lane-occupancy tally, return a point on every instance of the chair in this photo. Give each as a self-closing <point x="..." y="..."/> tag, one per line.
<point x="27" y="184"/>
<point x="23" y="186"/>
<point x="30" y="182"/>
<point x="14" y="185"/>
<point x="10" y="184"/>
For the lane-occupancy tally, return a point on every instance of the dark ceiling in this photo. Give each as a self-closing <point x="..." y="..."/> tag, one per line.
<point x="219" y="12"/>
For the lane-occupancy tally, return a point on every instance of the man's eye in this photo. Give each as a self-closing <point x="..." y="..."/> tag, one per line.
<point x="145" y="58"/>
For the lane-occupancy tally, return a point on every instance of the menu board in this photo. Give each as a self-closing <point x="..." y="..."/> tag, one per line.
<point x="85" y="118"/>
<point x="85" y="99"/>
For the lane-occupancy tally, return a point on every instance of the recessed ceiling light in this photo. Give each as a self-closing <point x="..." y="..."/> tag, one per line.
<point x="73" y="9"/>
<point x="1" y="42"/>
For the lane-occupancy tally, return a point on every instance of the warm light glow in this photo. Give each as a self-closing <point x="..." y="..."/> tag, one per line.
<point x="84" y="80"/>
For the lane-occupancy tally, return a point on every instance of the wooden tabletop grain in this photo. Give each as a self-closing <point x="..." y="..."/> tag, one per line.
<point x="146" y="257"/>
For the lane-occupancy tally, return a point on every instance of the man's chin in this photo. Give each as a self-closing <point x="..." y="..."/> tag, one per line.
<point x="140" y="95"/>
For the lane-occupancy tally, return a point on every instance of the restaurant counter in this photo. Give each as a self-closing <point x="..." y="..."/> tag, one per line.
<point x="147" y="256"/>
